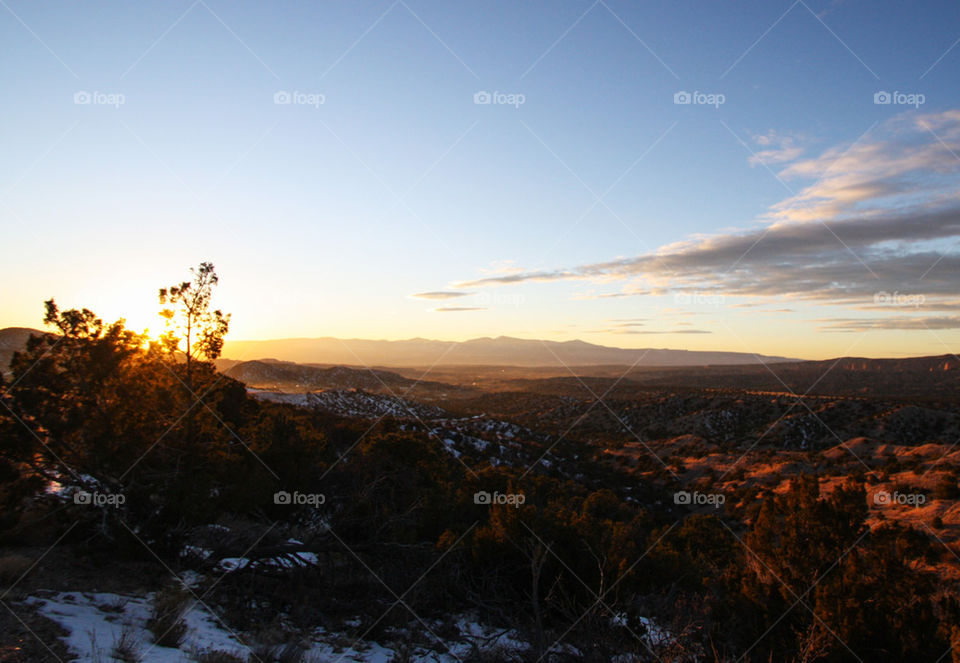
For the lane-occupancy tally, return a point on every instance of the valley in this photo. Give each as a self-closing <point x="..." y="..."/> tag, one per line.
<point x="742" y="441"/>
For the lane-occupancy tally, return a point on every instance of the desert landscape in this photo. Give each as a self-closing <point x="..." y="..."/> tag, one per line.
<point x="387" y="331"/>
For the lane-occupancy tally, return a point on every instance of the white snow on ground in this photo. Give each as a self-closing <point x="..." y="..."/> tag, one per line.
<point x="655" y="635"/>
<point x="96" y="620"/>
<point x="287" y="561"/>
<point x="353" y="403"/>
<point x="505" y="442"/>
<point x="451" y="446"/>
<point x="506" y="640"/>
<point x="202" y="553"/>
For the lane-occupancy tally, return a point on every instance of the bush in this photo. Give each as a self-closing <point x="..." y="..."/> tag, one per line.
<point x="126" y="648"/>
<point x="166" y="621"/>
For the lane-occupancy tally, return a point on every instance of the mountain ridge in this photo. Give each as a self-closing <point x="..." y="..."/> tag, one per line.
<point x="481" y="351"/>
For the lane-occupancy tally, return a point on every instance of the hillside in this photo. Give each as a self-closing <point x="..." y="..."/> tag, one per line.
<point x="916" y="377"/>
<point x="305" y="501"/>
<point x="285" y="376"/>
<point x="266" y="374"/>
<point x="500" y="351"/>
<point x="13" y="339"/>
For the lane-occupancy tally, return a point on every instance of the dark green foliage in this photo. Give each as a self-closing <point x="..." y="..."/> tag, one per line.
<point x="815" y="562"/>
<point x="790" y="576"/>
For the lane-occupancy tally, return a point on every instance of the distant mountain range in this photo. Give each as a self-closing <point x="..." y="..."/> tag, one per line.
<point x="500" y="351"/>
<point x="419" y="352"/>
<point x="460" y="369"/>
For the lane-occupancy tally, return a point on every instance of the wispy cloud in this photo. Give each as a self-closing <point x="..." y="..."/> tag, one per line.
<point x="899" y="322"/>
<point x="630" y="331"/>
<point x="662" y="331"/>
<point x="441" y="294"/>
<point x="943" y="305"/>
<point x="776" y="148"/>
<point x="580" y="296"/>
<point x="881" y="214"/>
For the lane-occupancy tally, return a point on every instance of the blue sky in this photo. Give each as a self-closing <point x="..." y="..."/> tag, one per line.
<point x="384" y="179"/>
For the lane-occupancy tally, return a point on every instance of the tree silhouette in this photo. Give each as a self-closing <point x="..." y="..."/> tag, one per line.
<point x="192" y="327"/>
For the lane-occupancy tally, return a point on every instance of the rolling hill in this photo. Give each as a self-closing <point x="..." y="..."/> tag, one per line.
<point x="500" y="351"/>
<point x="13" y="339"/>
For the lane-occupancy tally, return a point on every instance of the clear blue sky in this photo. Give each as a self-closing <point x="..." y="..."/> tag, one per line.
<point x="327" y="218"/>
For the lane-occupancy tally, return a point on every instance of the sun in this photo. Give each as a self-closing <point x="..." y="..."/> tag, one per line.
<point x="140" y="315"/>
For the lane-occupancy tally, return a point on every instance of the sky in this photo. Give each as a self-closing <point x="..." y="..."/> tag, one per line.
<point x="771" y="177"/>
